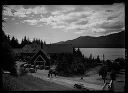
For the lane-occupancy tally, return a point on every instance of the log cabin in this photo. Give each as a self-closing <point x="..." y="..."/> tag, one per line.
<point x="36" y="54"/>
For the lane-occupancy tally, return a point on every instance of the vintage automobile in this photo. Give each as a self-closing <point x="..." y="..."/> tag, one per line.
<point x="80" y="86"/>
<point x="29" y="68"/>
<point x="47" y="67"/>
<point x="41" y="67"/>
<point x="32" y="70"/>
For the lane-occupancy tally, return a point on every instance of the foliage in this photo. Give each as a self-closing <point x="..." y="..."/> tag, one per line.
<point x="13" y="42"/>
<point x="103" y="72"/>
<point x="74" y="64"/>
<point x="98" y="59"/>
<point x="120" y="62"/>
<point x="64" y="64"/>
<point x="112" y="67"/>
<point x="7" y="58"/>
<point x="77" y="64"/>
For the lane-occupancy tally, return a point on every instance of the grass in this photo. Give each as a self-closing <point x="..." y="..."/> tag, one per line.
<point x="30" y="83"/>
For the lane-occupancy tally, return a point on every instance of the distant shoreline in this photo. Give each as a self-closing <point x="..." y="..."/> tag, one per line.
<point x="98" y="47"/>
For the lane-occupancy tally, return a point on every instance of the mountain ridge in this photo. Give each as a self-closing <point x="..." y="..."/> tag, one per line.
<point x="115" y="40"/>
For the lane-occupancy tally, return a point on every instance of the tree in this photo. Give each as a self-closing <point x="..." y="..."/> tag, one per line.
<point x="79" y="52"/>
<point x="90" y="57"/>
<point x="74" y="51"/>
<point x="25" y="41"/>
<point x="108" y="63"/>
<point x="103" y="72"/>
<point x="9" y="40"/>
<point x="44" y="43"/>
<point x="98" y="59"/>
<point x="14" y="42"/>
<point x="120" y="62"/>
<point x="63" y="65"/>
<point x="7" y="59"/>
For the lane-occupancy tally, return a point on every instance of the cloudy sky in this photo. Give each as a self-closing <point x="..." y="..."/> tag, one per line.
<point x="54" y="23"/>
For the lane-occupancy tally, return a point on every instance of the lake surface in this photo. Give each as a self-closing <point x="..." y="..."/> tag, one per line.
<point x="109" y="53"/>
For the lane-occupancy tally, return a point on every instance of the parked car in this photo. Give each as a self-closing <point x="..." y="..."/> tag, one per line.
<point x="41" y="67"/>
<point x="32" y="66"/>
<point x="27" y="65"/>
<point x="32" y="70"/>
<point x="37" y="66"/>
<point x="80" y="86"/>
<point x="47" y="67"/>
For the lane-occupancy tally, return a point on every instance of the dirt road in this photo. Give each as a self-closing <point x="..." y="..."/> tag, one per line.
<point x="29" y="83"/>
<point x="92" y="81"/>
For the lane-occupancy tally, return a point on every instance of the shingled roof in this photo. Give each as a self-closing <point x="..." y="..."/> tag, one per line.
<point x="17" y="50"/>
<point x="48" y="48"/>
<point x="31" y="48"/>
<point x="58" y="48"/>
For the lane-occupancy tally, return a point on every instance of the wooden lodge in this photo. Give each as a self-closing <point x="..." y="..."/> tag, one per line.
<point x="40" y="55"/>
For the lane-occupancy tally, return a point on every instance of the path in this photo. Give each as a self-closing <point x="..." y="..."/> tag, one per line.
<point x="92" y="81"/>
<point x="30" y="83"/>
<point x="42" y="74"/>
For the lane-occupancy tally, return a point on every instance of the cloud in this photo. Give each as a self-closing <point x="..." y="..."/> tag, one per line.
<point x="60" y="26"/>
<point x="82" y="22"/>
<point x="65" y="20"/>
<point x="112" y="25"/>
<point x="63" y="9"/>
<point x="31" y="22"/>
<point x="20" y="11"/>
<point x="39" y="10"/>
<point x="75" y="18"/>
<point x="5" y="18"/>
<point x="7" y="12"/>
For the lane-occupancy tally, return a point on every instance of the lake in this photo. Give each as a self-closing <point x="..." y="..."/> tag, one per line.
<point x="109" y="53"/>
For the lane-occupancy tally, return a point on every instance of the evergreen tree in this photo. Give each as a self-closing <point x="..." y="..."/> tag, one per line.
<point x="74" y="50"/>
<point x="7" y="59"/>
<point x="41" y="44"/>
<point x="25" y="41"/>
<point x="90" y="57"/>
<point x="7" y="62"/>
<point x="8" y="38"/>
<point x="103" y="72"/>
<point x="98" y="59"/>
<point x="14" y="42"/>
<point x="44" y="43"/>
<point x="109" y="65"/>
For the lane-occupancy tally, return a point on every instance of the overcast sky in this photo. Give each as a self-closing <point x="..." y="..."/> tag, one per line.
<point x="54" y="23"/>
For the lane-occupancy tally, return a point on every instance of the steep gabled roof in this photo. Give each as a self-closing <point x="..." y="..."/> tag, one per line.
<point x="48" y="48"/>
<point x="43" y="54"/>
<point x="58" y="48"/>
<point x="17" y="50"/>
<point x="31" y="48"/>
